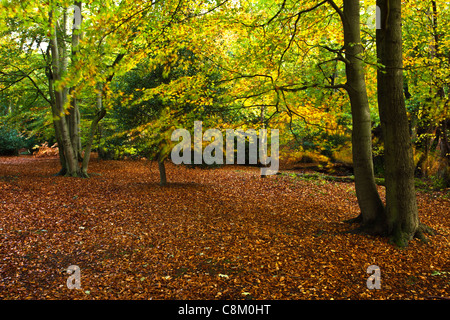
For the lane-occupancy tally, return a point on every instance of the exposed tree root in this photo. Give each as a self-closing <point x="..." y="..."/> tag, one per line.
<point x="401" y="239"/>
<point x="358" y="219"/>
<point x="78" y="174"/>
<point x="420" y="233"/>
<point x="398" y="238"/>
<point x="83" y="174"/>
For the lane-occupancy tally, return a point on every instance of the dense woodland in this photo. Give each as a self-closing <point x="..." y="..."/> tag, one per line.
<point x="91" y="92"/>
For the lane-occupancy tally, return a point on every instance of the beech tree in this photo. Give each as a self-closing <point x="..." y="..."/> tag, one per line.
<point x="68" y="143"/>
<point x="401" y="220"/>
<point x="64" y="83"/>
<point x="278" y="84"/>
<point x="281" y="63"/>
<point x="366" y="190"/>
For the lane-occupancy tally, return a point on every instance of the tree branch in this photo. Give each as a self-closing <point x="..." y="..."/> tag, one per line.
<point x="337" y="9"/>
<point x="291" y="40"/>
<point x="287" y="89"/>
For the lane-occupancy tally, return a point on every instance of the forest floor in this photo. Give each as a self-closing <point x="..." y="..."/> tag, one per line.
<point x="209" y="234"/>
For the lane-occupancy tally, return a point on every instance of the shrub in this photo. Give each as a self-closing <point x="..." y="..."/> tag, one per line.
<point x="11" y="141"/>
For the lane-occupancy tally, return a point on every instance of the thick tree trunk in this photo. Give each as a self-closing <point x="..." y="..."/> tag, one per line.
<point x="56" y="125"/>
<point x="369" y="201"/>
<point x="59" y="112"/>
<point x="401" y="207"/>
<point x="62" y="157"/>
<point x="66" y="123"/>
<point x="74" y="126"/>
<point x="74" y="115"/>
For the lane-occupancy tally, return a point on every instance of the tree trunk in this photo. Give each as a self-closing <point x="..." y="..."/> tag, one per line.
<point x="369" y="201"/>
<point x="161" y="167"/>
<point x="62" y="128"/>
<point x="401" y="208"/>
<point x="99" y="116"/>
<point x="74" y="125"/>
<point x="87" y="151"/>
<point x="74" y="115"/>
<point x="56" y="124"/>
<point x="162" y="173"/>
<point x="66" y="123"/>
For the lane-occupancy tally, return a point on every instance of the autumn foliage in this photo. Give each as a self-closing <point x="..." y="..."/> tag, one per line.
<point x="117" y="78"/>
<point x="44" y="150"/>
<point x="209" y="234"/>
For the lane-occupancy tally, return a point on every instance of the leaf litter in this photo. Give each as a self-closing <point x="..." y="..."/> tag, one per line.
<point x="221" y="233"/>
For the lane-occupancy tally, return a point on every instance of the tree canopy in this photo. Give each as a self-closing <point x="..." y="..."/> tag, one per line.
<point x="118" y="77"/>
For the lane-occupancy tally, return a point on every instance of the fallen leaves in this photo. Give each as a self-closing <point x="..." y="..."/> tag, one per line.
<point x="210" y="234"/>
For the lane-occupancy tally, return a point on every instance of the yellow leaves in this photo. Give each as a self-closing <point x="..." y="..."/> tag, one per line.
<point x="166" y="72"/>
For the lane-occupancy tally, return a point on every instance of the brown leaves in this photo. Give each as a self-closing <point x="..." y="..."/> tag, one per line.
<point x="210" y="234"/>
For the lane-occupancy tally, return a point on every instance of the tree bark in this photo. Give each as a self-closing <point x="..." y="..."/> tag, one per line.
<point x="401" y="207"/>
<point x="62" y="128"/>
<point x="87" y="151"/>
<point x="101" y="112"/>
<point x="162" y="168"/>
<point x="369" y="201"/>
<point x="56" y="124"/>
<point x="162" y="173"/>
<point x="74" y="112"/>
<point x="67" y="123"/>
